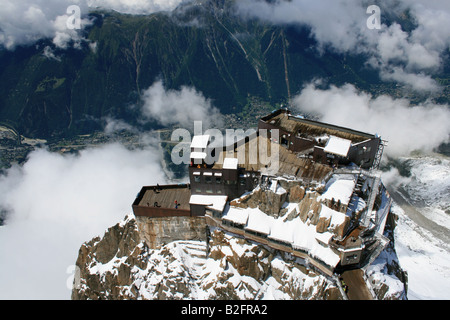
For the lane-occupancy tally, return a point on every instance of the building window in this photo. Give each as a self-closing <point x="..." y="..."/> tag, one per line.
<point x="208" y="179"/>
<point x="242" y="182"/>
<point x="198" y="190"/>
<point x="209" y="191"/>
<point x="218" y="180"/>
<point x="196" y="178"/>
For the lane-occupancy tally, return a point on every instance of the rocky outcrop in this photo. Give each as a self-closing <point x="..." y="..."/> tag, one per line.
<point x="121" y="266"/>
<point x="388" y="280"/>
<point x="271" y="200"/>
<point x="104" y="264"/>
<point x="260" y="272"/>
<point x="266" y="200"/>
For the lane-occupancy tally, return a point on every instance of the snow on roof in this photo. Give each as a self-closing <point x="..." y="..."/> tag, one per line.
<point x="305" y="238"/>
<point x="259" y="221"/>
<point x="210" y="201"/>
<point x="230" y="163"/>
<point x="337" y="218"/>
<point x="198" y="155"/>
<point x="276" y="188"/>
<point x="282" y="231"/>
<point x="324" y="237"/>
<point x="236" y="215"/>
<point x="340" y="188"/>
<point x="200" y="142"/>
<point x="338" y="146"/>
<point x="299" y="234"/>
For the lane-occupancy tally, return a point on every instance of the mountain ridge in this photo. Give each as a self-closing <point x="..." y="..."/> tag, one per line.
<point x="48" y="92"/>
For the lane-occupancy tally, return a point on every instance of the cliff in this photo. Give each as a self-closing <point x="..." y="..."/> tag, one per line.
<point x="121" y="266"/>
<point x="184" y="258"/>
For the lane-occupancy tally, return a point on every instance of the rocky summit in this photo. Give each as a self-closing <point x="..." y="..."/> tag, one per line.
<point x="120" y="265"/>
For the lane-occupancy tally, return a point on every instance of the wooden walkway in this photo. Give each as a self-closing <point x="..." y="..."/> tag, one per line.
<point x="357" y="287"/>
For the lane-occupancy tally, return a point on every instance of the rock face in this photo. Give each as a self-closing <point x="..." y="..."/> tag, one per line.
<point x="159" y="231"/>
<point x="389" y="281"/>
<point x="121" y="266"/>
<point x="249" y="271"/>
<point x="105" y="263"/>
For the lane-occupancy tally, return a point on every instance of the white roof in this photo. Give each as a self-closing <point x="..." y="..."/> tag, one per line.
<point x="230" y="163"/>
<point x="338" y="146"/>
<point x="198" y="155"/>
<point x="200" y="141"/>
<point x="211" y="201"/>
<point x="237" y="215"/>
<point x="259" y="221"/>
<point x="299" y="234"/>
<point x="324" y="237"/>
<point x="337" y="218"/>
<point x="340" y="188"/>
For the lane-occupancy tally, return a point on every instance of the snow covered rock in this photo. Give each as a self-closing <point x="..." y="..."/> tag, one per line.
<point x="120" y="266"/>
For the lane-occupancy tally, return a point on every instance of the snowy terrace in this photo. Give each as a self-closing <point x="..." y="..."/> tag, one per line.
<point x="299" y="235"/>
<point x="295" y="233"/>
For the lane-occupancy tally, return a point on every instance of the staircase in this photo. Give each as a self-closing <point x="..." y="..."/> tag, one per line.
<point x="193" y="256"/>
<point x="365" y="219"/>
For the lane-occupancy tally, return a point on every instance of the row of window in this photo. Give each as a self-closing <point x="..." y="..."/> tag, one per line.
<point x="207" y="191"/>
<point x="218" y="180"/>
<point x="209" y="179"/>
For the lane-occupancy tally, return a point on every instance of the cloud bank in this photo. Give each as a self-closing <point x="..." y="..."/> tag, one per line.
<point x="135" y="6"/>
<point x="55" y="203"/>
<point x="23" y="22"/>
<point x="406" y="127"/>
<point x="408" y="58"/>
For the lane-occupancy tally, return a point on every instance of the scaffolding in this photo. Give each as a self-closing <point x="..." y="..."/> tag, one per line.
<point x="379" y="154"/>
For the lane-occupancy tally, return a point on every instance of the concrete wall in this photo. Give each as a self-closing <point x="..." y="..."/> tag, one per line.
<point x="156" y="231"/>
<point x="159" y="212"/>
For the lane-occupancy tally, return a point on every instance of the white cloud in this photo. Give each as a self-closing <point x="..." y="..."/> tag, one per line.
<point x="179" y="107"/>
<point x="56" y="203"/>
<point x="23" y="22"/>
<point x="48" y="52"/>
<point x="341" y="25"/>
<point x="135" y="6"/>
<point x="406" y="127"/>
<point x="332" y="22"/>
